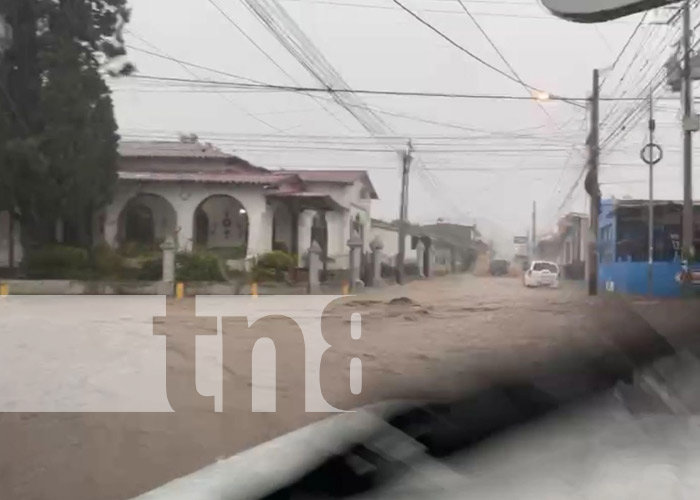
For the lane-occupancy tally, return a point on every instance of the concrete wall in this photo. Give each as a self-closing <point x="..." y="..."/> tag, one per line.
<point x="390" y="238"/>
<point x="66" y="287"/>
<point x="631" y="278"/>
<point x="443" y="260"/>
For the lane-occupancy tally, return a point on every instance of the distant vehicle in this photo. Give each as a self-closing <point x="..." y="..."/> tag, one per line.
<point x="542" y="273"/>
<point x="499" y="267"/>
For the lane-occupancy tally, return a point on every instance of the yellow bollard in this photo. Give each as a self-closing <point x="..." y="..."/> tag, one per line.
<point x="180" y="291"/>
<point x="254" y="289"/>
<point x="346" y="288"/>
<point x="4" y="290"/>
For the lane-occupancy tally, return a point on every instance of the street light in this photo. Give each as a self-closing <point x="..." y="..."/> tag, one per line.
<point x="541" y="95"/>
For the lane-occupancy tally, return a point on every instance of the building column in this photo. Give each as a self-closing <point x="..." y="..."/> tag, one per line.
<point x="294" y="237"/>
<point x="338" y="238"/>
<point x="111" y="215"/>
<point x="337" y="235"/>
<point x="260" y="231"/>
<point x="111" y="224"/>
<point x="306" y="219"/>
<point x="184" y="222"/>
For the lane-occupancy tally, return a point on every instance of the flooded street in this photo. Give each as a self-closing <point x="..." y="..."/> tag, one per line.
<point x="427" y="339"/>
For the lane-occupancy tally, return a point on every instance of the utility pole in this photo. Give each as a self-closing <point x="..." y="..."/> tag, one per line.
<point x="592" y="186"/>
<point x="534" y="229"/>
<point x="688" y="128"/>
<point x="652" y="127"/>
<point x="406" y="159"/>
<point x="651" y="155"/>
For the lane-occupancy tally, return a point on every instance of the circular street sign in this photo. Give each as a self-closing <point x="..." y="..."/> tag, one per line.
<point x="652" y="154"/>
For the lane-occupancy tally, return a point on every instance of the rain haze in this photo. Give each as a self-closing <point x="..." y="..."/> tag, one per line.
<point x="478" y="159"/>
<point x="238" y="255"/>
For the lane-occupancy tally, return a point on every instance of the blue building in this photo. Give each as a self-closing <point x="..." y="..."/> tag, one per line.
<point x="623" y="247"/>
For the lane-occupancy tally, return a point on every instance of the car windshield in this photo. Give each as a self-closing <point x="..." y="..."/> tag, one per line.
<point x="545" y="266"/>
<point x="256" y="213"/>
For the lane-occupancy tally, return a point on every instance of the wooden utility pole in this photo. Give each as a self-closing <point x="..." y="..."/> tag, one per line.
<point x="688" y="128"/>
<point x="406" y="159"/>
<point x="534" y="230"/>
<point x="652" y="127"/>
<point x="592" y="186"/>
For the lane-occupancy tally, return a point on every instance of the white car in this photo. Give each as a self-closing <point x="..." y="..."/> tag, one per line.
<point x="542" y="273"/>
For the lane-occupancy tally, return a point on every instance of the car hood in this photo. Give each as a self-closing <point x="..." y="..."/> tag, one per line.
<point x="634" y="440"/>
<point x="257" y="472"/>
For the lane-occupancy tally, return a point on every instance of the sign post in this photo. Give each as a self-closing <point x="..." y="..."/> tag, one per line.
<point x="651" y="154"/>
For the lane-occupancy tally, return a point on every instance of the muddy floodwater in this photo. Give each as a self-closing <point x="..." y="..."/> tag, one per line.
<point x="428" y="339"/>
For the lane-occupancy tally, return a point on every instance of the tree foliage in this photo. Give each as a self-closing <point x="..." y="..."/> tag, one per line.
<point x="58" y="140"/>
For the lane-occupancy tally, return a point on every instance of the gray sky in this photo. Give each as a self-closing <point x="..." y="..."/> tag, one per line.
<point x="487" y="161"/>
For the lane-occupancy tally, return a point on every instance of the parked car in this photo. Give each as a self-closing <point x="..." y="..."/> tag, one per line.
<point x="542" y="273"/>
<point x="499" y="267"/>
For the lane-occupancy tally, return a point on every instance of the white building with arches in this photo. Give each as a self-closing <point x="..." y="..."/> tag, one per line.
<point x="205" y="198"/>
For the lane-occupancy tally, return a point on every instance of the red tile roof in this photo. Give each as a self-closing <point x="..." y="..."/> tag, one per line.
<point x="229" y="169"/>
<point x="335" y="176"/>
<point x="310" y="200"/>
<point x="169" y="149"/>
<point x="207" y="177"/>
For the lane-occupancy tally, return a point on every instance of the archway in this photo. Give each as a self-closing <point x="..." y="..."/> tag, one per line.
<point x="146" y="220"/>
<point x="221" y="225"/>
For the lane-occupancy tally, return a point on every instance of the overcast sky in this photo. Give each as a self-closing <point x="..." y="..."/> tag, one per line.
<point x="476" y="159"/>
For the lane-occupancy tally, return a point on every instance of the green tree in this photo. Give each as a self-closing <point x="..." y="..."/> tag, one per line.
<point x="58" y="140"/>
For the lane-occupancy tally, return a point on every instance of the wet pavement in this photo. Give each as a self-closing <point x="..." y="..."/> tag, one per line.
<point x="428" y="339"/>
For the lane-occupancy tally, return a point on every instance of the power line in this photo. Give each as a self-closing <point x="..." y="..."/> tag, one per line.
<point x="500" y="54"/>
<point x="190" y="64"/>
<point x="647" y="64"/>
<point x="291" y="88"/>
<point x="255" y="44"/>
<point x="463" y="49"/>
<point x="455" y="44"/>
<point x="270" y="58"/>
<point x="627" y="44"/>
<point x="195" y="75"/>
